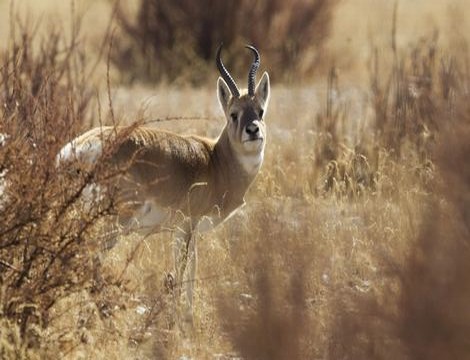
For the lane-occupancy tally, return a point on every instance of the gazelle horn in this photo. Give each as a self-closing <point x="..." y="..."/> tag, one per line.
<point x="253" y="70"/>
<point x="226" y="75"/>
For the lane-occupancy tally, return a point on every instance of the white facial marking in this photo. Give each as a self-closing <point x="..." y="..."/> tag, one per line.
<point x="253" y="145"/>
<point x="246" y="137"/>
<point x="251" y="163"/>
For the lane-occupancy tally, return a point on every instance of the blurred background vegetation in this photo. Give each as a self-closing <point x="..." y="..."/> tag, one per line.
<point x="174" y="40"/>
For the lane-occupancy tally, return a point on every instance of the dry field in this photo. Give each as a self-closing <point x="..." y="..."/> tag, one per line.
<point x="354" y="243"/>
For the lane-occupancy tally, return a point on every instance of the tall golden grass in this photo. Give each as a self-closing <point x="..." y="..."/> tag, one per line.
<point x="353" y="242"/>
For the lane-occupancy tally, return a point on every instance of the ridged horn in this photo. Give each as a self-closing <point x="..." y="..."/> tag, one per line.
<point x="253" y="70"/>
<point x="226" y="75"/>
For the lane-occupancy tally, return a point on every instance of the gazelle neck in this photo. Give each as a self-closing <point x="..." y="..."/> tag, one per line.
<point x="244" y="166"/>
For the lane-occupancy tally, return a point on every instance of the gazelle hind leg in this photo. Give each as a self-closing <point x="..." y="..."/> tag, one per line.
<point x="191" y="272"/>
<point x="185" y="271"/>
<point x="106" y="242"/>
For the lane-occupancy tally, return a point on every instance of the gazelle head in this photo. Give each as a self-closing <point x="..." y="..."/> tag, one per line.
<point x="244" y="110"/>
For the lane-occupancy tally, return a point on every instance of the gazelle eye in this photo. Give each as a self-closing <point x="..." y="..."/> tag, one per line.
<point x="233" y="116"/>
<point x="261" y="113"/>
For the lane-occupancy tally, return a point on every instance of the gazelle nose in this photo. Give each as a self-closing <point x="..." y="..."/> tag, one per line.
<point x="252" y="129"/>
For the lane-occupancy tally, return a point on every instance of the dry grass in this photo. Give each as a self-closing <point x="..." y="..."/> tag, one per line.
<point x="353" y="242"/>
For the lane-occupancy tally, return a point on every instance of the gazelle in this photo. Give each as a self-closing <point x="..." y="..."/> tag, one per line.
<point x="187" y="182"/>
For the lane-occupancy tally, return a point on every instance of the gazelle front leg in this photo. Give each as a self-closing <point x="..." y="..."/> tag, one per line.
<point x="185" y="256"/>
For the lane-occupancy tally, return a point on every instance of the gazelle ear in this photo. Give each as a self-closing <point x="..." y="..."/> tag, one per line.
<point x="223" y="93"/>
<point x="263" y="89"/>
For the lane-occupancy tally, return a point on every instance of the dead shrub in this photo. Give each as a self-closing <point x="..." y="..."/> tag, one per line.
<point x="177" y="40"/>
<point x="48" y="239"/>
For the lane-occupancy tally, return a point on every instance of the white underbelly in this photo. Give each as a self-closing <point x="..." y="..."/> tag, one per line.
<point x="150" y="217"/>
<point x="150" y="214"/>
